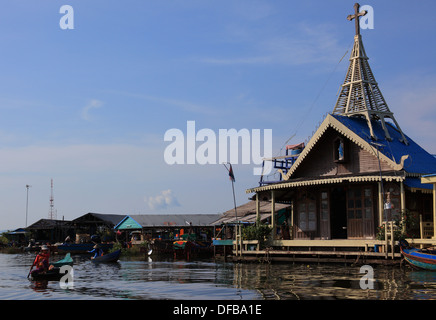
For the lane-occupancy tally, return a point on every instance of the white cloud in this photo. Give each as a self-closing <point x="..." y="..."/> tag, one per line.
<point x="164" y="200"/>
<point x="92" y="104"/>
<point x="302" y="45"/>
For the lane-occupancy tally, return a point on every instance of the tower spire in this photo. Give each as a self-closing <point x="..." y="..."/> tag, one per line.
<point x="52" y="211"/>
<point x="360" y="95"/>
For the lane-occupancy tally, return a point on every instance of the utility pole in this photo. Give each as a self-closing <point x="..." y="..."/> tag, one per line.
<point x="27" y="200"/>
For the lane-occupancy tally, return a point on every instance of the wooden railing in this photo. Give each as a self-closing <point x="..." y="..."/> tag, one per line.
<point x="426" y="228"/>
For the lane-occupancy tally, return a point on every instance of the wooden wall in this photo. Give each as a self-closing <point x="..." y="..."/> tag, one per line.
<point x="320" y="160"/>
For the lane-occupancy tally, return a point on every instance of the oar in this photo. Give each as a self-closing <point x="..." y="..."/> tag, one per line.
<point x="32" y="266"/>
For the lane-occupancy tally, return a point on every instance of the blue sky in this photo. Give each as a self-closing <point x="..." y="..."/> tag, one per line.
<point x="89" y="107"/>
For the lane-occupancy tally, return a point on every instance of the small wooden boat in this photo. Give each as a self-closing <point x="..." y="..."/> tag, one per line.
<point x="82" y="247"/>
<point x="419" y="258"/>
<point x="53" y="275"/>
<point x="110" y="257"/>
<point x="63" y="262"/>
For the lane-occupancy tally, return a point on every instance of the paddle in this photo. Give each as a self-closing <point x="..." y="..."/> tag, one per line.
<point x="31" y="267"/>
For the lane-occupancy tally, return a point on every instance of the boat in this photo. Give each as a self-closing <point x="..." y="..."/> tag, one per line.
<point x="53" y="274"/>
<point x="63" y="262"/>
<point x="419" y="258"/>
<point x="110" y="257"/>
<point x="82" y="247"/>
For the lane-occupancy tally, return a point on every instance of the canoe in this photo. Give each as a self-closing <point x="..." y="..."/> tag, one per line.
<point x="63" y="262"/>
<point x="419" y="258"/>
<point x="110" y="257"/>
<point x="82" y="247"/>
<point x="53" y="274"/>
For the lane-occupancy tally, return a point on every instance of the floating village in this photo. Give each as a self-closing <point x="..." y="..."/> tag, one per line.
<point x="359" y="191"/>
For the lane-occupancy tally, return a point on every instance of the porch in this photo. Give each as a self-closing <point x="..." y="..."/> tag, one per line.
<point x="337" y="251"/>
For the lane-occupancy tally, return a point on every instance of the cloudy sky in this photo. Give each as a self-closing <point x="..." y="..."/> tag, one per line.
<point x="89" y="107"/>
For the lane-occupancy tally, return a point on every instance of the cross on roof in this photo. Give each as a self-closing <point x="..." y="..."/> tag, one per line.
<point x="356" y="16"/>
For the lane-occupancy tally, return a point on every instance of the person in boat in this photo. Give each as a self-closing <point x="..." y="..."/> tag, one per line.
<point x="97" y="251"/>
<point x="41" y="262"/>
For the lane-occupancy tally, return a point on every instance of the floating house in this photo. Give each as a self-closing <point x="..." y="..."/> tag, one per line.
<point x="92" y="223"/>
<point x="166" y="226"/>
<point x="357" y="171"/>
<point x="49" y="230"/>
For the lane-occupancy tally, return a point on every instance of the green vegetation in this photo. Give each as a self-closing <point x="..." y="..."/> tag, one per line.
<point x="258" y="231"/>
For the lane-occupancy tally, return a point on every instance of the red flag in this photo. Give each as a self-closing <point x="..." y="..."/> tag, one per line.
<point x="232" y="177"/>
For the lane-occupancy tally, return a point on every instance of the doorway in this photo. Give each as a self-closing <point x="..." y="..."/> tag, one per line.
<point x="338" y="213"/>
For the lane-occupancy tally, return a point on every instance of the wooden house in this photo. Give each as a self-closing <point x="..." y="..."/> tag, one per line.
<point x="357" y="170"/>
<point x="49" y="230"/>
<point x="95" y="223"/>
<point x="165" y="226"/>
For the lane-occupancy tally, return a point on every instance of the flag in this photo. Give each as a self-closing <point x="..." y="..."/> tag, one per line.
<point x="232" y="177"/>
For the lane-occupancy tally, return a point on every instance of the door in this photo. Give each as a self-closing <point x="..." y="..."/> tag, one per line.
<point x="360" y="213"/>
<point x="338" y="213"/>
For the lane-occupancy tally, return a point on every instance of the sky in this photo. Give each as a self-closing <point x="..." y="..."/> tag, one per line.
<point x="89" y="106"/>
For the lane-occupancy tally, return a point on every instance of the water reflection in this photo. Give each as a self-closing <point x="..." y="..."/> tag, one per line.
<point x="145" y="278"/>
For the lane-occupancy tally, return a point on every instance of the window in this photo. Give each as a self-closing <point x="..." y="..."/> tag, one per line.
<point x="324" y="206"/>
<point x="307" y="212"/>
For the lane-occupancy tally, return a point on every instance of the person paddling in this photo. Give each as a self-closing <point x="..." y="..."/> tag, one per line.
<point x="41" y="261"/>
<point x="97" y="251"/>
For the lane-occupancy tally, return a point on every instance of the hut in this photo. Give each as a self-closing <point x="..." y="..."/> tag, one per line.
<point x="49" y="230"/>
<point x="17" y="237"/>
<point x="91" y="224"/>
<point x="358" y="171"/>
<point x="166" y="226"/>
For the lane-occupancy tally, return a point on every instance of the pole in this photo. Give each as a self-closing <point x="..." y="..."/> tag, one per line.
<point x="234" y="200"/>
<point x="233" y="189"/>
<point x="376" y="145"/>
<point x="27" y="200"/>
<point x="232" y="177"/>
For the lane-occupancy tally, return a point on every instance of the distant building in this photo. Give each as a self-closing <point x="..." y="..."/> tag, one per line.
<point x="165" y="226"/>
<point x="48" y="230"/>
<point x="91" y="224"/>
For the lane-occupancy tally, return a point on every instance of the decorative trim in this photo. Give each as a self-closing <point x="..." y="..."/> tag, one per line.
<point x="371" y="178"/>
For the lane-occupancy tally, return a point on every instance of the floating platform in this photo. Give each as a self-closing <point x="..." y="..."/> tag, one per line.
<point x="320" y="251"/>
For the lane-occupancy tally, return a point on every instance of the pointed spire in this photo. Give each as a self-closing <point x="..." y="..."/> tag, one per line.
<point x="360" y="95"/>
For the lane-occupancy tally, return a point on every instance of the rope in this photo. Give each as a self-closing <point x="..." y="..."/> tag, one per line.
<point x="313" y="103"/>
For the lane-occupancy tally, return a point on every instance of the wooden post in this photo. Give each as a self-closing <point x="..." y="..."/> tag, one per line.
<point x="273" y="210"/>
<point x="434" y="210"/>
<point x="392" y="239"/>
<point x="380" y="203"/>
<point x="386" y="239"/>
<point x="292" y="219"/>
<point x="257" y="208"/>
<point x="403" y="203"/>
<point x="240" y="239"/>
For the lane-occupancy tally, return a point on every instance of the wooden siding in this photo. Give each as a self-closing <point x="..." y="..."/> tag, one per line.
<point x="320" y="162"/>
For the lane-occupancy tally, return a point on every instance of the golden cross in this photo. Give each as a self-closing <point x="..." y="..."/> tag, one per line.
<point x="356" y="16"/>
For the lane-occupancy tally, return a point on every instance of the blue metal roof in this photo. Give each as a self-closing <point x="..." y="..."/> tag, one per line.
<point x="419" y="161"/>
<point x="416" y="183"/>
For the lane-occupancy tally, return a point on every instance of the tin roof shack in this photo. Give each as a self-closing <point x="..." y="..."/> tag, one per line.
<point x="248" y="213"/>
<point x="17" y="237"/>
<point x="50" y="231"/>
<point x="167" y="226"/>
<point x="357" y="170"/>
<point x="96" y="224"/>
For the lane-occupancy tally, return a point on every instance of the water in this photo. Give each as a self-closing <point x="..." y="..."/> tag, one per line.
<point x="160" y="279"/>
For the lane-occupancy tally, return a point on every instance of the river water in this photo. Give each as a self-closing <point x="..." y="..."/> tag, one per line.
<point x="159" y="279"/>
